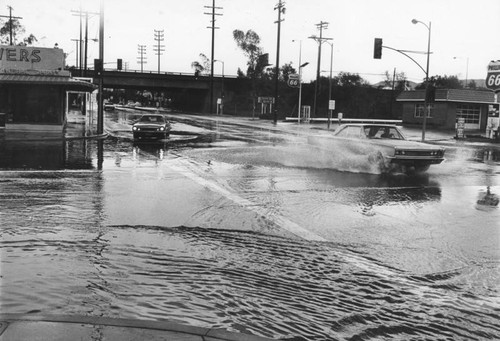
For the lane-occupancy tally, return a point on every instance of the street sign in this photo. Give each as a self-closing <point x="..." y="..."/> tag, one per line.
<point x="331" y="104"/>
<point x="493" y="76"/>
<point x="265" y="100"/>
<point x="293" y="81"/>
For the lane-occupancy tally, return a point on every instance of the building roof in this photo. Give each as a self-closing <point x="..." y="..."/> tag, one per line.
<point x="26" y="79"/>
<point x="450" y="95"/>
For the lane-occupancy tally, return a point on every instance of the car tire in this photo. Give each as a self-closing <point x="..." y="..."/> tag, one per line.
<point x="421" y="168"/>
<point x="378" y="160"/>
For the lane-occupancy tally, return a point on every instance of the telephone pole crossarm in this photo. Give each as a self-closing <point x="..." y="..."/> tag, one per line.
<point x="213" y="28"/>
<point x="11" y="30"/>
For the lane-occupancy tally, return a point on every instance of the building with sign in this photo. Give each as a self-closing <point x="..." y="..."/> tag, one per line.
<point x="34" y="88"/>
<point x="474" y="106"/>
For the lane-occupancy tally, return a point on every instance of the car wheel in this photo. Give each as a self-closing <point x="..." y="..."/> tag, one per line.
<point x="421" y="168"/>
<point x="378" y="160"/>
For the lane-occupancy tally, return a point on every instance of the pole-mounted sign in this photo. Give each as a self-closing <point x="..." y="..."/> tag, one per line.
<point x="293" y="80"/>
<point x="493" y="76"/>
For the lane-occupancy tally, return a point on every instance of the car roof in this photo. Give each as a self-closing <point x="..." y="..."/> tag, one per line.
<point x="367" y="124"/>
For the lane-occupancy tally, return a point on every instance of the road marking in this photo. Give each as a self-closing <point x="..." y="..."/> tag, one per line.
<point x="185" y="169"/>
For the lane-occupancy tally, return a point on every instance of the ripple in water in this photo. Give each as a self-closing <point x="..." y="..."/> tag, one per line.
<point x="246" y="282"/>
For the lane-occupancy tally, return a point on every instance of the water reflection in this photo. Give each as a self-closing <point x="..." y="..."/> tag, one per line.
<point x="47" y="155"/>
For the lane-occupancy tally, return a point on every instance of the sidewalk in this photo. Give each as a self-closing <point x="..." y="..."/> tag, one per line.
<point x="65" y="328"/>
<point x="76" y="128"/>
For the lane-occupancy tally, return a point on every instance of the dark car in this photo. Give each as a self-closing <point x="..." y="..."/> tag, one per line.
<point x="382" y="144"/>
<point x="151" y="126"/>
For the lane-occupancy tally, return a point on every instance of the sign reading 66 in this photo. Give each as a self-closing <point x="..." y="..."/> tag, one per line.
<point x="493" y="77"/>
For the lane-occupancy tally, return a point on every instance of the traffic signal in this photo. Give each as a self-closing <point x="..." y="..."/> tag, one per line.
<point x="430" y="93"/>
<point x="98" y="66"/>
<point x="377" y="48"/>
<point x="119" y="64"/>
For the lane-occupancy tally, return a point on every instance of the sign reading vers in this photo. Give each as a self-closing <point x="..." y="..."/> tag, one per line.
<point x="23" y="58"/>
<point x="493" y="76"/>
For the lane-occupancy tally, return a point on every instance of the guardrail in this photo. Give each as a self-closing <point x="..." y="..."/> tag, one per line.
<point x="348" y="120"/>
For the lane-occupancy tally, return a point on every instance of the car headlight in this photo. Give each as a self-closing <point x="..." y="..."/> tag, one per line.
<point x="135" y="128"/>
<point x="162" y="128"/>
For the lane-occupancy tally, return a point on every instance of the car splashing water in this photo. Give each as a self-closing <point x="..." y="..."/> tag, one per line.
<point x="302" y="156"/>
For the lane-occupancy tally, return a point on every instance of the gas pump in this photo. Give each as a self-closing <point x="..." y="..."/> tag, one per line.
<point x="493" y="121"/>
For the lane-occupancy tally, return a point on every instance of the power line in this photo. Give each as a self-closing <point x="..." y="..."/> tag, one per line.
<point x="84" y="41"/>
<point x="321" y="26"/>
<point x="213" y="14"/>
<point x="142" y="58"/>
<point x="281" y="9"/>
<point x="159" y="37"/>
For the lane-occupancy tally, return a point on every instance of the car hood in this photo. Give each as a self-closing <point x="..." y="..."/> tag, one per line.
<point x="408" y="145"/>
<point x="149" y="125"/>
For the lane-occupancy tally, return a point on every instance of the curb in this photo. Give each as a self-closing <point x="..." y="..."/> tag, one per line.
<point x="63" y="138"/>
<point x="215" y="334"/>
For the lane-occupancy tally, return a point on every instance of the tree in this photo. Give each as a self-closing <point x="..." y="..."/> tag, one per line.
<point x="443" y="82"/>
<point x="399" y="80"/>
<point x="17" y="30"/>
<point x="203" y="67"/>
<point x="249" y="43"/>
<point x="349" y="79"/>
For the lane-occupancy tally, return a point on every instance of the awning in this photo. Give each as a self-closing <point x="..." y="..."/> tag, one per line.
<point x="68" y="82"/>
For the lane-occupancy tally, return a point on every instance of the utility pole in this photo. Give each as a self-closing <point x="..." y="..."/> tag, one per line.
<point x="141" y="59"/>
<point x="84" y="41"/>
<point x="281" y="9"/>
<point x="79" y="13"/>
<point x="213" y="14"/>
<point x="159" y="37"/>
<point x="10" y="23"/>
<point x="100" y="104"/>
<point x="322" y="25"/>
<point x="77" y="41"/>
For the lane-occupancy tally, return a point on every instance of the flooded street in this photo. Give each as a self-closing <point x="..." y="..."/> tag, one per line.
<point x="252" y="230"/>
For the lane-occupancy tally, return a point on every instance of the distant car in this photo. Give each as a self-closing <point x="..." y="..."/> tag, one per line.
<point x="151" y="126"/>
<point x="108" y="106"/>
<point x="384" y="145"/>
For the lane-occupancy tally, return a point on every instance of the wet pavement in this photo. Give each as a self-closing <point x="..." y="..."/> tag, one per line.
<point x="242" y="227"/>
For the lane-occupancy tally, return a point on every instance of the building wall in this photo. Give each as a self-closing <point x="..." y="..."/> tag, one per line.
<point x="440" y="115"/>
<point x="444" y="115"/>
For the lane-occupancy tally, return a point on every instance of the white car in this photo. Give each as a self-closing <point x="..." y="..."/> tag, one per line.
<point x="384" y="145"/>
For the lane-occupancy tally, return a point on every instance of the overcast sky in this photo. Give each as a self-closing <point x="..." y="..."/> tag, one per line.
<point x="465" y="34"/>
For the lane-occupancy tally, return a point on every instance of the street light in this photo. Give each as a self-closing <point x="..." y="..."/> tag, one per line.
<point x="428" y="106"/>
<point x="222" y="91"/>
<point x="300" y="89"/>
<point x="300" y="79"/>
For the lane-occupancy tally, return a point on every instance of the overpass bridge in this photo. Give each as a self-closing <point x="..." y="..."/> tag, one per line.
<point x="188" y="92"/>
<point x="153" y="80"/>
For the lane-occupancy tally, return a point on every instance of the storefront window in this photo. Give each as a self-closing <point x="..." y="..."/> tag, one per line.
<point x="420" y="110"/>
<point x="470" y="112"/>
<point x="35" y="104"/>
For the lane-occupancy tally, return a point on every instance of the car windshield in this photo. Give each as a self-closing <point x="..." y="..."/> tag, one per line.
<point x="382" y="132"/>
<point x="152" y="119"/>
